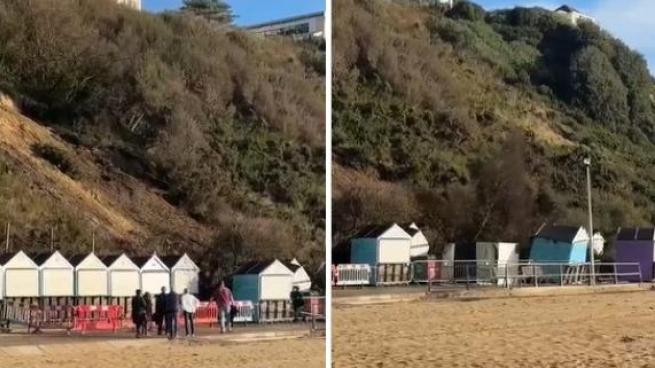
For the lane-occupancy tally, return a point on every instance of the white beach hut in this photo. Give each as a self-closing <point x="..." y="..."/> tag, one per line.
<point x="56" y="275"/>
<point x="154" y="274"/>
<point x="91" y="275"/>
<point x="21" y="275"/>
<point x="123" y="275"/>
<point x="184" y="273"/>
<point x="495" y="260"/>
<point x="419" y="245"/>
<point x="301" y="278"/>
<point x="262" y="280"/>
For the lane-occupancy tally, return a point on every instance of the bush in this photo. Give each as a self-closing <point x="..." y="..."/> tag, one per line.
<point x="57" y="158"/>
<point x="467" y="10"/>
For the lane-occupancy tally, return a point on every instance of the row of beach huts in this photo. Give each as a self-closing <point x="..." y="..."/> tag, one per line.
<point x="52" y="275"/>
<point x="399" y="244"/>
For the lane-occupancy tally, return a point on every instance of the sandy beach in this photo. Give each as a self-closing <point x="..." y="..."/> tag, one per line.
<point x="597" y="330"/>
<point x="304" y="352"/>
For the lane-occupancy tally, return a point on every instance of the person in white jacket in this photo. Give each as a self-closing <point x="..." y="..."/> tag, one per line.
<point x="189" y="306"/>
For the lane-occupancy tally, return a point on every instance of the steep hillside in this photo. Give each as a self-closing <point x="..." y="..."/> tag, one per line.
<point x="476" y="122"/>
<point x="158" y="132"/>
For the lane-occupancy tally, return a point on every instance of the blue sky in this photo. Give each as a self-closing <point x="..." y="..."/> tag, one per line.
<point x="251" y="11"/>
<point x="633" y="21"/>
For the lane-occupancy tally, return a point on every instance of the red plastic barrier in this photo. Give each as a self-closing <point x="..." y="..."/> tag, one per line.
<point x="98" y="318"/>
<point x="207" y="313"/>
<point x="315" y="306"/>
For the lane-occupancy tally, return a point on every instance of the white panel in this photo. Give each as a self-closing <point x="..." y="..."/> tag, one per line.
<point x="92" y="283"/>
<point x="57" y="282"/>
<point x="152" y="282"/>
<point x="123" y="283"/>
<point x="185" y="280"/>
<point x="276" y="287"/>
<point x="393" y="250"/>
<point x="21" y="283"/>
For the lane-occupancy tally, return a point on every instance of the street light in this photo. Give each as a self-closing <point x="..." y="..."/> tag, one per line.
<point x="587" y="163"/>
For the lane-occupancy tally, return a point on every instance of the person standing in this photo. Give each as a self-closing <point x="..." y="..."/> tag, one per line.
<point x="189" y="306"/>
<point x="160" y="310"/>
<point x="225" y="301"/>
<point x="138" y="312"/>
<point x="148" y="317"/>
<point x="171" y="308"/>
<point x="298" y="303"/>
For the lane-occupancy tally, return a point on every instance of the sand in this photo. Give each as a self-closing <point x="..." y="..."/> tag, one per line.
<point x="305" y="353"/>
<point x="598" y="330"/>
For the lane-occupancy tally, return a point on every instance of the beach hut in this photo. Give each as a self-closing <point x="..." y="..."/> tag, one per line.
<point x="495" y="260"/>
<point x="154" y="274"/>
<point x="184" y="273"/>
<point x="301" y="278"/>
<point x="419" y="246"/>
<point x="262" y="280"/>
<point x="636" y="245"/>
<point x="559" y="244"/>
<point x="385" y="247"/>
<point x="56" y="275"/>
<point x="123" y="275"/>
<point x="21" y="275"/>
<point x="91" y="276"/>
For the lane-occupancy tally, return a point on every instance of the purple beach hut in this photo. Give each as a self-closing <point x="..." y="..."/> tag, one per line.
<point x="636" y="245"/>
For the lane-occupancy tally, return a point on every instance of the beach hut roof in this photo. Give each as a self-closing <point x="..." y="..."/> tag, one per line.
<point x="636" y="233"/>
<point x="258" y="267"/>
<point x="253" y="267"/>
<point x="290" y="264"/>
<point x="76" y="259"/>
<point x="142" y="262"/>
<point x="171" y="261"/>
<point x="561" y="233"/>
<point x="375" y="231"/>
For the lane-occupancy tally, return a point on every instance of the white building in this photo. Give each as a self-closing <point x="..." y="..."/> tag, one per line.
<point x="262" y="281"/>
<point x="419" y="246"/>
<point x="184" y="273"/>
<point x="154" y="274"/>
<point x="495" y="260"/>
<point x="573" y="15"/>
<point x="124" y="276"/>
<point x="381" y="244"/>
<point x="20" y="275"/>
<point x="299" y="27"/>
<point x="301" y="278"/>
<point x="56" y="274"/>
<point x="136" y="4"/>
<point x="91" y="275"/>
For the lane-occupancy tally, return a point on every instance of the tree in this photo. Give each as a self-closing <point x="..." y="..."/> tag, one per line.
<point x="212" y="10"/>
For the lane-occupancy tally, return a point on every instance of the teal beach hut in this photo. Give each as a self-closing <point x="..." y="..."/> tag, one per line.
<point x="559" y="244"/>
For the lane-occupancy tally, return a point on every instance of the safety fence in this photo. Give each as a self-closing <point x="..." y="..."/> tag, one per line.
<point x="485" y="273"/>
<point x="314" y="312"/>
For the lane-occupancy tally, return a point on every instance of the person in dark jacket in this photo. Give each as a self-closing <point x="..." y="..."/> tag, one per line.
<point x="171" y="308"/>
<point x="138" y="312"/>
<point x="160" y="310"/>
<point x="298" y="303"/>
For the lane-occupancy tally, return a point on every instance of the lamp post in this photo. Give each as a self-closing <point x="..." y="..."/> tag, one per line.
<point x="587" y="163"/>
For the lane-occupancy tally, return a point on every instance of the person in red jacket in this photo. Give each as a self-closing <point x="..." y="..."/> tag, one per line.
<point x="224" y="301"/>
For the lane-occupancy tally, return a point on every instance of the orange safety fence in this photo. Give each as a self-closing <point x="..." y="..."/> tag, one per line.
<point x="98" y="318"/>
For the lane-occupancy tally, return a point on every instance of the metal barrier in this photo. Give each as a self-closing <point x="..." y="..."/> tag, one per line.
<point x="274" y="311"/>
<point x="314" y="310"/>
<point x="245" y="311"/>
<point x="352" y="274"/>
<point x="392" y="274"/>
<point x="519" y="274"/>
